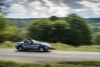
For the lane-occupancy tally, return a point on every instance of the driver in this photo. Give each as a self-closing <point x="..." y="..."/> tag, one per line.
<point x="27" y="41"/>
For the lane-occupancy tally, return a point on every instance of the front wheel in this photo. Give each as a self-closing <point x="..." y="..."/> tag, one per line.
<point x="20" y="48"/>
<point x="41" y="49"/>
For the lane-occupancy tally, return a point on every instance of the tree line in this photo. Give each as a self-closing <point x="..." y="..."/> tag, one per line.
<point x="73" y="30"/>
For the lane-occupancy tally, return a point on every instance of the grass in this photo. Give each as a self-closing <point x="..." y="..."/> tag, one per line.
<point x="7" y="44"/>
<point x="65" y="47"/>
<point x="59" y="46"/>
<point x="50" y="64"/>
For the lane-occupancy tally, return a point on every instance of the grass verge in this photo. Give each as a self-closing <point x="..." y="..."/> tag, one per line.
<point x="65" y="47"/>
<point x="7" y="44"/>
<point x="50" y="64"/>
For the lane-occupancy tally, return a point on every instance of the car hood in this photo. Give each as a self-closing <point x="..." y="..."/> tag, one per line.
<point x="19" y="43"/>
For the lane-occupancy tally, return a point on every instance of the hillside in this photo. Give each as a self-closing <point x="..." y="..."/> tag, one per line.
<point x="95" y="23"/>
<point x="93" y="20"/>
<point x="20" y="23"/>
<point x="23" y="23"/>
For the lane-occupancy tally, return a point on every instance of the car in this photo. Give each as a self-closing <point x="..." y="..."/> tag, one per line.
<point x="32" y="44"/>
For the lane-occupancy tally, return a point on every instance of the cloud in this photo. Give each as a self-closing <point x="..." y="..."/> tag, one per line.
<point x="49" y="3"/>
<point x="95" y="1"/>
<point x="36" y="5"/>
<point x="60" y="11"/>
<point x="44" y="8"/>
<point x="80" y="10"/>
<point x="38" y="10"/>
<point x="90" y="5"/>
<point x="20" y="8"/>
<point x="22" y="1"/>
<point x="8" y="0"/>
<point x="51" y="9"/>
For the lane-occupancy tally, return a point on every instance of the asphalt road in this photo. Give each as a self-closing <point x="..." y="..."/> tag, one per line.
<point x="51" y="56"/>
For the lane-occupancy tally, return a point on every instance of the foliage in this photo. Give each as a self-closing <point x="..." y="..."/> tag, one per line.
<point x="80" y="32"/>
<point x="74" y="30"/>
<point x="8" y="32"/>
<point x="60" y="31"/>
<point x="36" y="28"/>
<point x="97" y="38"/>
<point x="53" y="18"/>
<point x="11" y="34"/>
<point x="45" y="30"/>
<point x="3" y="23"/>
<point x="50" y="64"/>
<point x="3" y="26"/>
<point x="7" y="44"/>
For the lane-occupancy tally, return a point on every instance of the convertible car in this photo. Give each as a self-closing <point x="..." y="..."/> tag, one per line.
<point x="32" y="45"/>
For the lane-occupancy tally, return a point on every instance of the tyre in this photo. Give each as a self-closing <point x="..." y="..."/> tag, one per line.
<point x="20" y="48"/>
<point x="41" y="49"/>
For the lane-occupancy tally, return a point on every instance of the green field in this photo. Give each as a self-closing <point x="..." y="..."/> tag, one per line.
<point x="50" y="64"/>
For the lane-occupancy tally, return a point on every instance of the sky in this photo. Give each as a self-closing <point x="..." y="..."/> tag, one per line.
<point x="48" y="8"/>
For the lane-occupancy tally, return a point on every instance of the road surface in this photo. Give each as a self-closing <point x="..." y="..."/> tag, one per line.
<point x="51" y="56"/>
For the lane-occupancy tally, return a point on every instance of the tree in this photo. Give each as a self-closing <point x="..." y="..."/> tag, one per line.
<point x="53" y="18"/>
<point x="60" y="31"/>
<point x="80" y="32"/>
<point x="6" y="32"/>
<point x="3" y="26"/>
<point x="3" y="21"/>
<point x="97" y="38"/>
<point x="46" y="30"/>
<point x="11" y="34"/>
<point x="36" y="28"/>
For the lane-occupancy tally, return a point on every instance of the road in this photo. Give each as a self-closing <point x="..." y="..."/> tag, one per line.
<point x="51" y="56"/>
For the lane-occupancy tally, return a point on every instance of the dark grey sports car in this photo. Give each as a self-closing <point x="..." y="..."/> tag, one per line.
<point x="32" y="45"/>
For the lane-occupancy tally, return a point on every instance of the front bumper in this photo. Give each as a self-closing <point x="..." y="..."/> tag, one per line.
<point x="48" y="48"/>
<point x="16" y="47"/>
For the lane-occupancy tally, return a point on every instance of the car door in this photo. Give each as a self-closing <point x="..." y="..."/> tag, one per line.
<point x="34" y="46"/>
<point x="26" y="46"/>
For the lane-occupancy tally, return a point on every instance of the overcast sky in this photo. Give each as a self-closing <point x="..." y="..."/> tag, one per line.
<point x="47" y="8"/>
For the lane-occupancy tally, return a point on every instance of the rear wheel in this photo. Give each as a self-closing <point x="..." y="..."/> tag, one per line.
<point x="20" y="48"/>
<point x="41" y="49"/>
